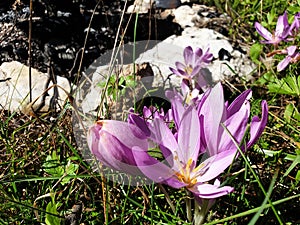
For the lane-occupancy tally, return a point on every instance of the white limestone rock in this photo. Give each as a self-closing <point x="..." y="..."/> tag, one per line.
<point x="185" y="15"/>
<point x="167" y="52"/>
<point x="140" y="6"/>
<point x="14" y="88"/>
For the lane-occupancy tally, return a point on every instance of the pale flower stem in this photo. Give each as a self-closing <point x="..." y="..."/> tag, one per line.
<point x="197" y="210"/>
<point x="199" y="216"/>
<point x="188" y="204"/>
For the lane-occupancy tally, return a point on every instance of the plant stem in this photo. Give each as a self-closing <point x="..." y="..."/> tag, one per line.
<point x="199" y="216"/>
<point x="188" y="204"/>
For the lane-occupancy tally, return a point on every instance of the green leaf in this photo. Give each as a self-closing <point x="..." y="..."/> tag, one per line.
<point x="52" y="165"/>
<point x="71" y="168"/>
<point x="288" y="85"/>
<point x="293" y="165"/>
<point x="266" y="78"/>
<point x="52" y="219"/>
<point x="255" y="52"/>
<point x="271" y="16"/>
<point x="293" y="9"/>
<point x="298" y="176"/>
<point x="291" y="112"/>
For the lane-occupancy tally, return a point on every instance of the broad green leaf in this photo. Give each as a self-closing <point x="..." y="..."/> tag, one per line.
<point x="291" y="112"/>
<point x="270" y="16"/>
<point x="293" y="9"/>
<point x="71" y="168"/>
<point x="289" y="85"/>
<point x="52" y="219"/>
<point x="255" y="52"/>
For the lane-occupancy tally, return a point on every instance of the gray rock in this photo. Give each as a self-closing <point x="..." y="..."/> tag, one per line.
<point x="164" y="55"/>
<point x="185" y="15"/>
<point x="14" y="88"/>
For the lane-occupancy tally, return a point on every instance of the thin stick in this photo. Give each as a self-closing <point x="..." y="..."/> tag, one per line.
<point x="167" y="198"/>
<point x="29" y="49"/>
<point x="85" y="41"/>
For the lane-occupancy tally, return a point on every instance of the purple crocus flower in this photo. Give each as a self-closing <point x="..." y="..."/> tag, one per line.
<point x="193" y="62"/>
<point x="122" y="146"/>
<point x="293" y="56"/>
<point x="234" y="117"/>
<point x="125" y="146"/>
<point x="181" y="152"/>
<point x="295" y="26"/>
<point x="112" y="142"/>
<point x="281" y="32"/>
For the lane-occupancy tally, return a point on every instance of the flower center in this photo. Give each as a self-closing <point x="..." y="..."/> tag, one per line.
<point x="188" y="69"/>
<point x="187" y="173"/>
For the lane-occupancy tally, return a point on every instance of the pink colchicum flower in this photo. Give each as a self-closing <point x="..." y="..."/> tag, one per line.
<point x="125" y="146"/>
<point x="281" y="32"/>
<point x="234" y="117"/>
<point x="112" y="143"/>
<point x="181" y="152"/>
<point x="213" y="112"/>
<point x="293" y="56"/>
<point x="295" y="26"/>
<point x="193" y="62"/>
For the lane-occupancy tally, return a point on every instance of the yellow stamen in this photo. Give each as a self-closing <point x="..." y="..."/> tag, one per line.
<point x="189" y="69"/>
<point x="186" y="174"/>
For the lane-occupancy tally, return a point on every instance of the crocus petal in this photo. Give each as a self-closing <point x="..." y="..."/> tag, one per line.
<point x="215" y="165"/>
<point x="209" y="191"/>
<point x="177" y="108"/>
<point x="198" y="52"/>
<point x="283" y="63"/>
<point x="282" y="26"/>
<point x="236" y="122"/>
<point x="189" y="136"/>
<point x="139" y="122"/>
<point x="295" y="25"/>
<point x="180" y="66"/>
<point x="291" y="50"/>
<point x="237" y="126"/>
<point x="163" y="136"/>
<point x="211" y="201"/>
<point x="207" y="57"/>
<point x="126" y="133"/>
<point x="263" y="31"/>
<point x="185" y="88"/>
<point x="238" y="102"/>
<point x="196" y="70"/>
<point x="174" y="71"/>
<point x="257" y="125"/>
<point x="156" y="170"/>
<point x="111" y="152"/>
<point x="212" y="110"/>
<point x="188" y="55"/>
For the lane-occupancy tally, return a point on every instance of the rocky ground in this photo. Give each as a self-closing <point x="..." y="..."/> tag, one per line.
<point x="59" y="29"/>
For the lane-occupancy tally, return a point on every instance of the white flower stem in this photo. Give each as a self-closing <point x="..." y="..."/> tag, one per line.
<point x="199" y="216"/>
<point x="188" y="203"/>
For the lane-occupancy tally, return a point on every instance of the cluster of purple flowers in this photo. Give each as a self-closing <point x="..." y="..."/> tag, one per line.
<point x="284" y="32"/>
<point x="198" y="137"/>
